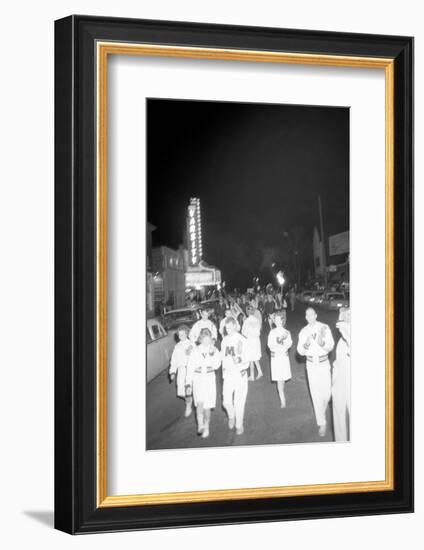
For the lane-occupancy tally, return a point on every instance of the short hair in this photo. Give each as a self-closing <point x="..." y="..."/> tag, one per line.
<point x="281" y="314"/>
<point x="231" y="320"/>
<point x="205" y="332"/>
<point x="310" y="309"/>
<point x="184" y="328"/>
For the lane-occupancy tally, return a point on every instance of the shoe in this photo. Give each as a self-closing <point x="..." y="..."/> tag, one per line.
<point x="259" y="375"/>
<point x="188" y="410"/>
<point x="205" y="432"/>
<point x="231" y="423"/>
<point x="322" y="430"/>
<point x="200" y="429"/>
<point x="251" y="378"/>
<point x="239" y="431"/>
<point x="283" y="404"/>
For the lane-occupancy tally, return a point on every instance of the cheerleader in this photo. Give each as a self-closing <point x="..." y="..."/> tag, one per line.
<point x="201" y="381"/>
<point x="178" y="366"/>
<point x="235" y="364"/>
<point x="252" y="332"/>
<point x="279" y="342"/>
<point x="222" y="329"/>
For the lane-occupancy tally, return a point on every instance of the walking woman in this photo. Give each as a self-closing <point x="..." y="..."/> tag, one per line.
<point x="279" y="343"/>
<point x="204" y="360"/>
<point x="178" y="366"/>
<point x="252" y="332"/>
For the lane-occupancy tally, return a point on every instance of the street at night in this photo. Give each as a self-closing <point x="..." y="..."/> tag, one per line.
<point x="265" y="422"/>
<point x="256" y="217"/>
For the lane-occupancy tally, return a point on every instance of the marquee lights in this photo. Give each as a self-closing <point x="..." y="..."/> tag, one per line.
<point x="194" y="231"/>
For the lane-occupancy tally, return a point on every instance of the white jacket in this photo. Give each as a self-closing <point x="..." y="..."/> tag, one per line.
<point x="235" y="354"/>
<point x="315" y="341"/>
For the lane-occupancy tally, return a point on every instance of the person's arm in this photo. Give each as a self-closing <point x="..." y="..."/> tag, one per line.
<point x="271" y="343"/>
<point x="191" y="365"/>
<point x="174" y="363"/>
<point x="303" y="344"/>
<point x="242" y="358"/>
<point x="288" y="341"/>
<point x="216" y="360"/>
<point x="326" y="340"/>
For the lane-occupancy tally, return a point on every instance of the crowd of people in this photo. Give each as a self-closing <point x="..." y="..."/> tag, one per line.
<point x="232" y="341"/>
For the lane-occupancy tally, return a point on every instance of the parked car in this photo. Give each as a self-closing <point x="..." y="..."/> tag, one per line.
<point x="334" y="301"/>
<point x="303" y="297"/>
<point x="316" y="297"/>
<point x="184" y="316"/>
<point x="160" y="344"/>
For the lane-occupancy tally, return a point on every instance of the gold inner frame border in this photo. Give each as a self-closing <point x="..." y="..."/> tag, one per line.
<point x="103" y="50"/>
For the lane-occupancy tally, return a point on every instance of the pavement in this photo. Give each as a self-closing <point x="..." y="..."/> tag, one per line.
<point x="265" y="422"/>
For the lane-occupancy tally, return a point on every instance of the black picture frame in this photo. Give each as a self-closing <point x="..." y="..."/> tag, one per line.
<point x="76" y="509"/>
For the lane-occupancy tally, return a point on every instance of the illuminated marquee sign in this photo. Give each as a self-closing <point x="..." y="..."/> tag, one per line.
<point x="194" y="230"/>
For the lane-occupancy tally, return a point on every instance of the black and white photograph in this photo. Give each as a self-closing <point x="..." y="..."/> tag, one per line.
<point x="248" y="317"/>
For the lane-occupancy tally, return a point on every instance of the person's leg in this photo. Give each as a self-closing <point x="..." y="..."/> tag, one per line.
<point x="259" y="369"/>
<point x="227" y="399"/>
<point x="280" y="388"/>
<point x="341" y="406"/>
<point x="199" y="416"/>
<point x="189" y="405"/>
<point x="322" y="384"/>
<point x="316" y="395"/>
<point x="252" y="370"/>
<point x="240" y="395"/>
<point x="339" y="415"/>
<point x="206" y="421"/>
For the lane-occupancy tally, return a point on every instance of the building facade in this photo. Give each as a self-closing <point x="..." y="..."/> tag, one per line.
<point x="168" y="278"/>
<point x="150" y="304"/>
<point x="337" y="268"/>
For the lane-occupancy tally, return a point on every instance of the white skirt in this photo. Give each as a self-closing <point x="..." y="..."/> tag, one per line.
<point x="181" y="377"/>
<point x="204" y="390"/>
<point x="280" y="368"/>
<point x="254" y="350"/>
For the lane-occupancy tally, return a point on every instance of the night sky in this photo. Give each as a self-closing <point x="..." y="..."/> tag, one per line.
<point x="258" y="170"/>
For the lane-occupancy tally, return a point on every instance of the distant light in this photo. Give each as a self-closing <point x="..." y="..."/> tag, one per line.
<point x="280" y="278"/>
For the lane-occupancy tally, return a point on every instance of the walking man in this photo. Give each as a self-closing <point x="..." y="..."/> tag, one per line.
<point x="341" y="379"/>
<point x="316" y="342"/>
